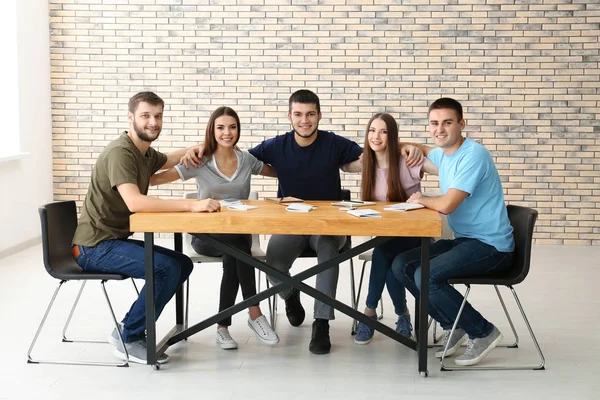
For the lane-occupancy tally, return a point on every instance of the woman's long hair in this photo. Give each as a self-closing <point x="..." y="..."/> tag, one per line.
<point x="395" y="191"/>
<point x="210" y="142"/>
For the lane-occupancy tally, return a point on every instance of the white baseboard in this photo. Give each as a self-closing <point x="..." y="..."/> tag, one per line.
<point x="21" y="246"/>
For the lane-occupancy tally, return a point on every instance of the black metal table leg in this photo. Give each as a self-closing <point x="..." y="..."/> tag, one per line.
<point x="150" y="308"/>
<point x="179" y="304"/>
<point x="423" y="308"/>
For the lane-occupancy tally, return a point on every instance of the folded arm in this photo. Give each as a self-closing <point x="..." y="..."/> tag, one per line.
<point x="444" y="204"/>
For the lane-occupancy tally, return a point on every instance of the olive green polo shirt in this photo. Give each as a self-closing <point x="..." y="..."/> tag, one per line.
<point x="104" y="214"/>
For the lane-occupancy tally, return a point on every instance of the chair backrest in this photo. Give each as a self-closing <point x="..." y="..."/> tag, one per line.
<point x="59" y="221"/>
<point x="522" y="220"/>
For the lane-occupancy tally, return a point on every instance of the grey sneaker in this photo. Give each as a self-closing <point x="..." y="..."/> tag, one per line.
<point x="137" y="352"/>
<point x="478" y="348"/>
<point x="458" y="338"/>
<point x="113" y="338"/>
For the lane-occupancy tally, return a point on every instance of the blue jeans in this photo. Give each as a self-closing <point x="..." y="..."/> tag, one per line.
<point x="458" y="258"/>
<point x="126" y="257"/>
<point x="381" y="273"/>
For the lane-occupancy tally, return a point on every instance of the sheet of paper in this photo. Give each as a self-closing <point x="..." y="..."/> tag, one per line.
<point x="230" y="202"/>
<point x="241" y="207"/>
<point x="300" y="207"/>
<point x="403" y="207"/>
<point x="365" y="213"/>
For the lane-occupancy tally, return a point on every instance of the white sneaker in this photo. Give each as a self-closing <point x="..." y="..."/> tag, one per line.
<point x="225" y="340"/>
<point x="263" y="330"/>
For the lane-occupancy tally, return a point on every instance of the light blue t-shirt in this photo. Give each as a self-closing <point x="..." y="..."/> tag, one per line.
<point x="482" y="215"/>
<point x="212" y="183"/>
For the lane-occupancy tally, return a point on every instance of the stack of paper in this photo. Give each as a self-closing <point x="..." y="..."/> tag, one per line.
<point x="230" y="202"/>
<point x="241" y="207"/>
<point x="365" y="213"/>
<point x="403" y="207"/>
<point x="300" y="207"/>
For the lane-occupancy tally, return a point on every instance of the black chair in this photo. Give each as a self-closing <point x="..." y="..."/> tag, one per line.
<point x="59" y="221"/>
<point x="522" y="220"/>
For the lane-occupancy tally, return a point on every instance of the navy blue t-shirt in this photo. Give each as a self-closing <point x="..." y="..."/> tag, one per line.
<point x="311" y="172"/>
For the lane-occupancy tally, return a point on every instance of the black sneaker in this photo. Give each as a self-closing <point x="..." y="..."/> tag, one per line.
<point x="320" y="342"/>
<point x="294" y="310"/>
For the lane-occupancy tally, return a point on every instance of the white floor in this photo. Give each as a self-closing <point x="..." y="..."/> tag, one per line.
<point x="560" y="297"/>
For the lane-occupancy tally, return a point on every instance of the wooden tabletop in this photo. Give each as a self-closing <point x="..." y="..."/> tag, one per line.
<point x="271" y="218"/>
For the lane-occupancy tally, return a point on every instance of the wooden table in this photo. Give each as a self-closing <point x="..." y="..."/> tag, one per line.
<point x="271" y="218"/>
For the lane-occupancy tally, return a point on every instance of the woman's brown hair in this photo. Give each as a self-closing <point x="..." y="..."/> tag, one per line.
<point x="395" y="191"/>
<point x="210" y="142"/>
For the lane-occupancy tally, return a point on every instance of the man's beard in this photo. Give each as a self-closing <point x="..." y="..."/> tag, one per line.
<point x="309" y="135"/>
<point x="142" y="135"/>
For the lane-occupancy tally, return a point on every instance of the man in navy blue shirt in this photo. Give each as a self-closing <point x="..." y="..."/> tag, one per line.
<point x="307" y="161"/>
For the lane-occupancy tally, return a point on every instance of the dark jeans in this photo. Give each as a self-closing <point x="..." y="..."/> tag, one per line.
<point x="458" y="258"/>
<point x="235" y="272"/>
<point x="381" y="272"/>
<point x="126" y="257"/>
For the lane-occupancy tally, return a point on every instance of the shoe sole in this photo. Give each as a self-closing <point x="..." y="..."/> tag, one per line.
<point x="319" y="351"/>
<point x="363" y="342"/>
<point x="295" y="324"/>
<point x="466" y="363"/>
<point x="270" y="342"/>
<point x="120" y="355"/>
<point x="453" y="349"/>
<point x="226" y="346"/>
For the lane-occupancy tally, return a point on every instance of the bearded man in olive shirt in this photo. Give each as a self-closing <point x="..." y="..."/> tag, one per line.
<point x="119" y="187"/>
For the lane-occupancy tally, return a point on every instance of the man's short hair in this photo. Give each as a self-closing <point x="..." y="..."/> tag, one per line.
<point x="145" y="97"/>
<point x="447" y="103"/>
<point x="304" y="96"/>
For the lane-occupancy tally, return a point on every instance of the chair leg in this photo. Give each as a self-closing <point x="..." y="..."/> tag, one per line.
<point x="460" y="310"/>
<point x="64" y="331"/>
<point x="535" y="342"/>
<point x="539" y="366"/>
<point x="187" y="303"/>
<point x="512" y="326"/>
<point x="31" y="360"/>
<point x="112" y="314"/>
<point x="135" y="287"/>
<point x="37" y="333"/>
<point x="272" y="305"/>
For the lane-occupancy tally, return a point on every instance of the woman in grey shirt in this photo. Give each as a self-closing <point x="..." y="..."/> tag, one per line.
<point x="224" y="172"/>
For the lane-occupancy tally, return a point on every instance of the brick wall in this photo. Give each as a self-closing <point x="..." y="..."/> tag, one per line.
<point x="526" y="72"/>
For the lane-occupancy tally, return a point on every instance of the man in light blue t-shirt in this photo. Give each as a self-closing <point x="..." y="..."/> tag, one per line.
<point x="472" y="198"/>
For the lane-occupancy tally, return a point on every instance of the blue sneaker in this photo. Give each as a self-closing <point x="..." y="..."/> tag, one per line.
<point x="403" y="326"/>
<point x="364" y="333"/>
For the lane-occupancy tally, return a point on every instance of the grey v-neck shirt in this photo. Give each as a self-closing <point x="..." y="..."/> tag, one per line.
<point x="212" y="183"/>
